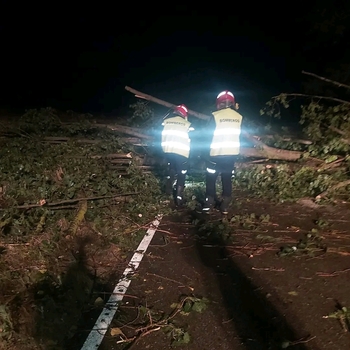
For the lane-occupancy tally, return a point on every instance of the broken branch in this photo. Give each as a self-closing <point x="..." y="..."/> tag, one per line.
<point x="334" y="99"/>
<point x="164" y="103"/>
<point x="327" y="80"/>
<point x="331" y="189"/>
<point x="70" y="201"/>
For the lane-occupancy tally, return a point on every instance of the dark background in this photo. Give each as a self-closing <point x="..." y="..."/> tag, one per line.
<point x="80" y="57"/>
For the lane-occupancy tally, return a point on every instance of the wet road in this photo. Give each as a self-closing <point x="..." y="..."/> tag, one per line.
<point x="178" y="263"/>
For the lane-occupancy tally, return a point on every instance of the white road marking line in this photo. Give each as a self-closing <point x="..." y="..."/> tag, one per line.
<point x="94" y="339"/>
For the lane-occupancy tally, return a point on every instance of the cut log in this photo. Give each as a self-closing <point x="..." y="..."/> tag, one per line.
<point x="115" y="155"/>
<point x="164" y="103"/>
<point x="58" y="140"/>
<point x="131" y="140"/>
<point x="120" y="161"/>
<point x="125" y="130"/>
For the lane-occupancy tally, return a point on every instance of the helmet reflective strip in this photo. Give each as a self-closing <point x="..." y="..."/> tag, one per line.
<point x="225" y="93"/>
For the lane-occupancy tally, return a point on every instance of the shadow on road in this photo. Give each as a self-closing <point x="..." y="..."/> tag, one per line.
<point x="257" y="322"/>
<point x="65" y="313"/>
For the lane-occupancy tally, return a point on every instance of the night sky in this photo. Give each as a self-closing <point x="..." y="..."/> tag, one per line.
<point x="82" y="58"/>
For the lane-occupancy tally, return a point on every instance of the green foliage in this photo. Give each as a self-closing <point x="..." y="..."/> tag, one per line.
<point x="328" y="128"/>
<point x="310" y="245"/>
<point x="194" y="194"/>
<point x="6" y="325"/>
<point x="195" y="304"/>
<point x="273" y="107"/>
<point x="326" y="125"/>
<point x="281" y="183"/>
<point x="249" y="221"/>
<point x="322" y="223"/>
<point x="188" y="304"/>
<point x="179" y="336"/>
<point x="33" y="169"/>
<point x="143" y="115"/>
<point x="343" y="315"/>
<point x="215" y="229"/>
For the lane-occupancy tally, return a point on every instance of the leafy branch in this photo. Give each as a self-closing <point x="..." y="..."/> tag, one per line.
<point x="177" y="334"/>
<point x="343" y="315"/>
<point x="328" y="98"/>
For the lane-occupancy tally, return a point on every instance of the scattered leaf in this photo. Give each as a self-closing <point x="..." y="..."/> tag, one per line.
<point x="116" y="331"/>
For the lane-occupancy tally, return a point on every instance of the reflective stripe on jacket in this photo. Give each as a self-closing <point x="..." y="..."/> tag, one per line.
<point x="175" y="137"/>
<point x="226" y="137"/>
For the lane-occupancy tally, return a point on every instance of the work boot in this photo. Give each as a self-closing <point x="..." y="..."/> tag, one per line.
<point x="217" y="202"/>
<point x="208" y="205"/>
<point x="178" y="198"/>
<point x="225" y="205"/>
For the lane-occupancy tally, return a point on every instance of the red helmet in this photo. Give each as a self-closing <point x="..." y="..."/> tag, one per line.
<point x="182" y="110"/>
<point x="225" y="99"/>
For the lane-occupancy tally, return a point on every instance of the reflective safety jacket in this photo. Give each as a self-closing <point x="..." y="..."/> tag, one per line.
<point x="226" y="137"/>
<point x="175" y="137"/>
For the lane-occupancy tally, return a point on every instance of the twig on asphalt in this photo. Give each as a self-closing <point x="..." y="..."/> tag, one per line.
<point x="164" y="231"/>
<point x="14" y="244"/>
<point x="331" y="274"/>
<point x="334" y="250"/>
<point x="302" y="340"/>
<point x="152" y="327"/>
<point x="160" y="245"/>
<point x="188" y="247"/>
<point x="168" y="279"/>
<point x="267" y="269"/>
<point x="227" y="321"/>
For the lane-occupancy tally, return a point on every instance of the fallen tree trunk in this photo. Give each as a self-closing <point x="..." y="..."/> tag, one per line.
<point x="164" y="103"/>
<point x="270" y="153"/>
<point x="285" y="138"/>
<point x="260" y="150"/>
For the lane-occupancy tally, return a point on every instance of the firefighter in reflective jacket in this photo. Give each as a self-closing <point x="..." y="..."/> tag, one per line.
<point x="176" y="146"/>
<point x="224" y="148"/>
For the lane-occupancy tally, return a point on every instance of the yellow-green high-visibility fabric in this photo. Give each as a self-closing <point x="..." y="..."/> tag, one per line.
<point x="226" y="138"/>
<point x="175" y="137"/>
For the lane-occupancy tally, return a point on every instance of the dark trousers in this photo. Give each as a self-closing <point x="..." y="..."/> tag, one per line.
<point x="223" y="165"/>
<point x="177" y="166"/>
